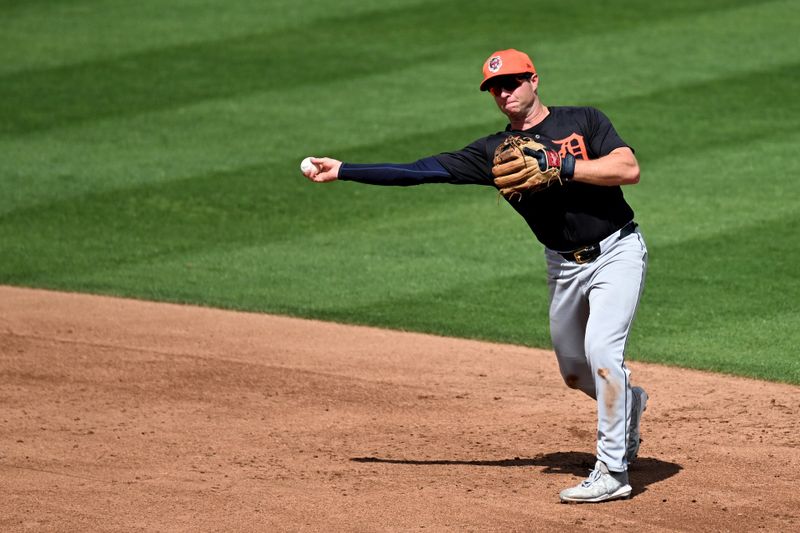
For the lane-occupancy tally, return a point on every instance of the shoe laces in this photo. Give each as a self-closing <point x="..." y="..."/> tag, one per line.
<point x="593" y="477"/>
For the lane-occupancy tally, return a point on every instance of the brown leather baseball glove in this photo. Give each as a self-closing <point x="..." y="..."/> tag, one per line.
<point x="522" y="165"/>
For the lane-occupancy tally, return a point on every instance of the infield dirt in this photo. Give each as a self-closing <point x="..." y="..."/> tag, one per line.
<point x="122" y="415"/>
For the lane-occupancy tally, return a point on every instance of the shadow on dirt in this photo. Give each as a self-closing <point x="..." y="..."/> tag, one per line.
<point x="646" y="471"/>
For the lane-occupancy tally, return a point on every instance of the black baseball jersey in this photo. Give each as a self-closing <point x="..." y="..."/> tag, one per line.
<point x="567" y="217"/>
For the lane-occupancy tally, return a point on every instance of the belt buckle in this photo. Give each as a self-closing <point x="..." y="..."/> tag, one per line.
<point x="583" y="256"/>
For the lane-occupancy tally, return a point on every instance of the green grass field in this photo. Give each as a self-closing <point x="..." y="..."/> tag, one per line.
<point x="150" y="149"/>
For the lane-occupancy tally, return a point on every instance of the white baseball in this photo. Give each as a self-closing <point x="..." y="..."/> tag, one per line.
<point x="306" y="166"/>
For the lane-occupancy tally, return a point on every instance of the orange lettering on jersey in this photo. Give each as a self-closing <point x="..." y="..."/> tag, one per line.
<point x="573" y="144"/>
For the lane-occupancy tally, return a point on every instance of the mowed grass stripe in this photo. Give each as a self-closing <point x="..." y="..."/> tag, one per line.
<point x="184" y="74"/>
<point x="92" y="30"/>
<point x="727" y="302"/>
<point x="380" y="264"/>
<point x="671" y="53"/>
<point x="273" y="128"/>
<point x="172" y="78"/>
<point x="723" y="192"/>
<point x="745" y="106"/>
<point x="179" y="75"/>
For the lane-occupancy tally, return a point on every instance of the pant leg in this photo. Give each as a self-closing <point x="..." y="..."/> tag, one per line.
<point x="614" y="290"/>
<point x="569" y="313"/>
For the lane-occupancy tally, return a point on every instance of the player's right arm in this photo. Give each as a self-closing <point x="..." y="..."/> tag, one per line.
<point x="427" y="170"/>
<point x="470" y="165"/>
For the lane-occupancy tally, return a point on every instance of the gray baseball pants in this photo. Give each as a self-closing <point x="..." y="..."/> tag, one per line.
<point x="592" y="307"/>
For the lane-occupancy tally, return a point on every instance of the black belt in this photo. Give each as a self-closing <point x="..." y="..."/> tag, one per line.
<point x="589" y="253"/>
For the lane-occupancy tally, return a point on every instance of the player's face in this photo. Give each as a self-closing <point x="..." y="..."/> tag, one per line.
<point x="514" y="95"/>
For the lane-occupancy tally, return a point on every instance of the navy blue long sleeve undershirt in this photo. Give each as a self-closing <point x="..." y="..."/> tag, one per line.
<point x="426" y="170"/>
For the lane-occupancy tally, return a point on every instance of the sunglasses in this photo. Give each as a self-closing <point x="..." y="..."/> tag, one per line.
<point x="508" y="83"/>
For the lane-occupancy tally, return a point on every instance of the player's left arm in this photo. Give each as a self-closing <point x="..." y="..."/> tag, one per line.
<point x="619" y="167"/>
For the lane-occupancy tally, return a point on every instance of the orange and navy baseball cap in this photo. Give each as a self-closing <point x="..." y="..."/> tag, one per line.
<point x="505" y="62"/>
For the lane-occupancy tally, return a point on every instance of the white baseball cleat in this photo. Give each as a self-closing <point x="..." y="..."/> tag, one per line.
<point x="634" y="434"/>
<point x="600" y="486"/>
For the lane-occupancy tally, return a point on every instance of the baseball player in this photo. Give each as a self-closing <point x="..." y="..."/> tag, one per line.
<point x="561" y="169"/>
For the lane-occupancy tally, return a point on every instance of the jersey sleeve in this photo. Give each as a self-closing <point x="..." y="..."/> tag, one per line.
<point x="426" y="170"/>
<point x="603" y="138"/>
<point x="470" y="165"/>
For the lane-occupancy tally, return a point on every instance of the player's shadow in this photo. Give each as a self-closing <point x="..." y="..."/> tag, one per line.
<point x="644" y="472"/>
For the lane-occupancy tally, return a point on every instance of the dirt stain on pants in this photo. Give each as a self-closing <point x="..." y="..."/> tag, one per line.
<point x="612" y="389"/>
